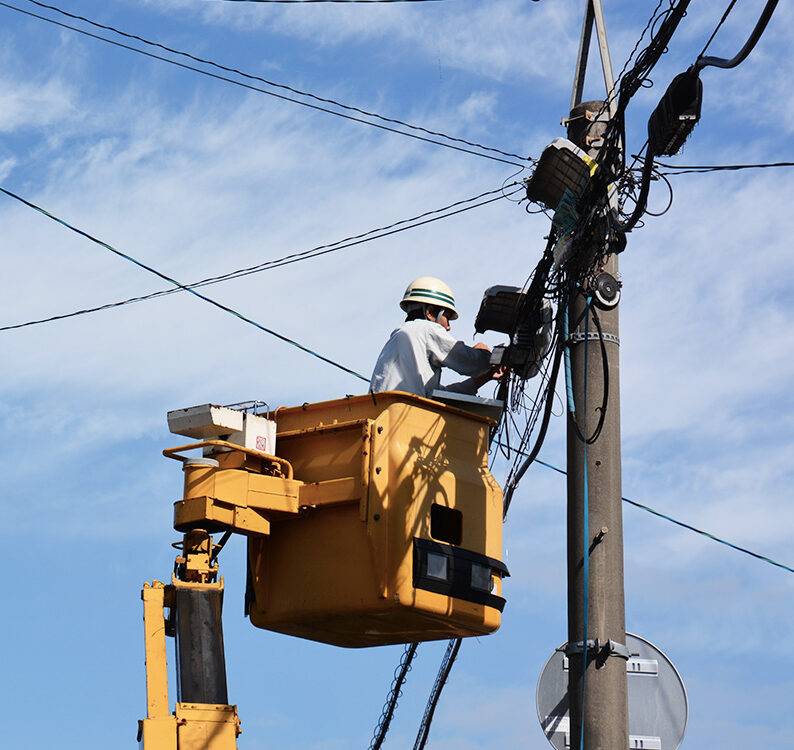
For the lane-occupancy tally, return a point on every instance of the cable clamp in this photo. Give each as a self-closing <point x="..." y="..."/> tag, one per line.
<point x="576" y="337"/>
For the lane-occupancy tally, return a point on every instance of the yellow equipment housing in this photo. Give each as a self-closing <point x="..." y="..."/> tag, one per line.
<point x="378" y="522"/>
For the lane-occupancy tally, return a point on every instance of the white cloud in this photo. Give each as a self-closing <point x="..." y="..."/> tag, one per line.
<point x="6" y="167"/>
<point x="480" y="38"/>
<point x="31" y="104"/>
<point x="478" y="105"/>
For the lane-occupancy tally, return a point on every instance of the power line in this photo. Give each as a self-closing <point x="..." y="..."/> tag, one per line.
<point x="718" y="27"/>
<point x="341" y="1"/>
<point x="683" y="525"/>
<point x="395" y="692"/>
<point x="273" y="84"/>
<point x="441" y="678"/>
<point x="704" y="61"/>
<point x="611" y="94"/>
<point x="708" y="535"/>
<point x="336" y="1"/>
<point x="704" y="168"/>
<point x="373" y="234"/>
<point x="161" y="275"/>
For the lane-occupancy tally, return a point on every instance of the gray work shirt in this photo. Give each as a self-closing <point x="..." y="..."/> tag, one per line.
<point x="413" y="357"/>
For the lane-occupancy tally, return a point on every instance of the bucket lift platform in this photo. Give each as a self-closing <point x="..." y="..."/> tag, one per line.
<point x="399" y="531"/>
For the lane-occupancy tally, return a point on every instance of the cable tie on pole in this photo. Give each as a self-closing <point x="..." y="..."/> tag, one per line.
<point x="577" y="337"/>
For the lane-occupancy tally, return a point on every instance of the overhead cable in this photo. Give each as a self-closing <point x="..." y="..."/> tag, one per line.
<point x="416" y="135"/>
<point x="516" y="474"/>
<point x="441" y="678"/>
<point x="708" y="535"/>
<point x="335" y="1"/>
<point x="372" y="234"/>
<point x="718" y="27"/>
<point x="400" y="673"/>
<point x="163" y="276"/>
<point x="683" y="525"/>
<point x="703" y="168"/>
<point x="654" y="16"/>
<point x="755" y="35"/>
<point x="341" y="1"/>
<point x="645" y="189"/>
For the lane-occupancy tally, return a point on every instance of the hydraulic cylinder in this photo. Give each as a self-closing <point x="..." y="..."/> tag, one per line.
<point x="201" y="666"/>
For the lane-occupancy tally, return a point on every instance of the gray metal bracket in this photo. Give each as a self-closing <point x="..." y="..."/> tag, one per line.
<point x="619" y="649"/>
<point x="593" y="645"/>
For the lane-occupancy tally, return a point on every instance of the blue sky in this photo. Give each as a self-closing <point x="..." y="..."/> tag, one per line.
<point x="196" y="177"/>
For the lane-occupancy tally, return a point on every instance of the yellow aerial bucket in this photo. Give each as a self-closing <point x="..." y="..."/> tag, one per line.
<point x="398" y="531"/>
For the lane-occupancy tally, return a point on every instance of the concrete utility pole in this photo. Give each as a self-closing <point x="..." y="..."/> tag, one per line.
<point x="605" y="715"/>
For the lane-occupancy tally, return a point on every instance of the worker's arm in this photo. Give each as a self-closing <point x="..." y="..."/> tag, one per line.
<point x="472" y="385"/>
<point x="446" y="351"/>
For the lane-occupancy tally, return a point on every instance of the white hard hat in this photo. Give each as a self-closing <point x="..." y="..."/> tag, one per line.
<point x="430" y="291"/>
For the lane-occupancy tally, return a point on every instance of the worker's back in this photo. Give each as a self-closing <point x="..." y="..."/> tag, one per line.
<point x="412" y="359"/>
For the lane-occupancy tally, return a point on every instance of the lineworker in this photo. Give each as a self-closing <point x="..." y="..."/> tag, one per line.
<point x="412" y="358"/>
